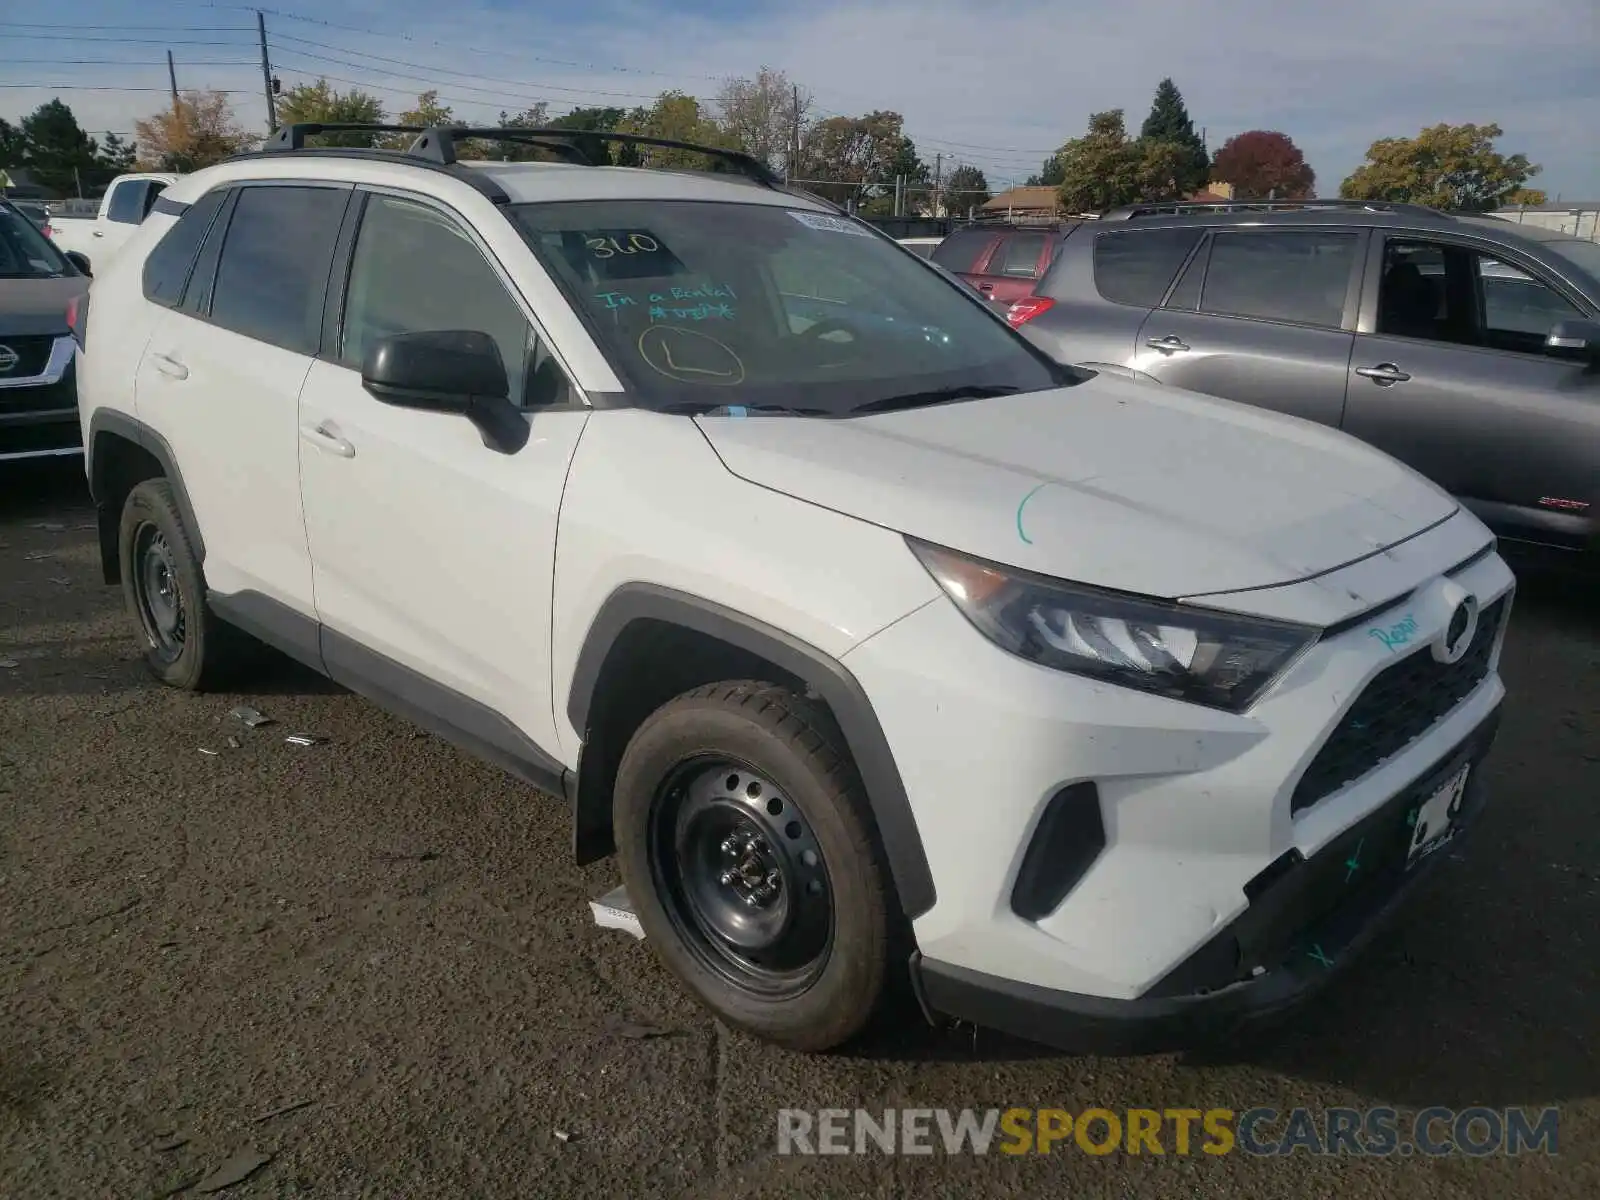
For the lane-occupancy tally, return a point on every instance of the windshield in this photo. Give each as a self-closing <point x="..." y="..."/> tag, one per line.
<point x="700" y="305"/>
<point x="25" y="253"/>
<point x="1586" y="255"/>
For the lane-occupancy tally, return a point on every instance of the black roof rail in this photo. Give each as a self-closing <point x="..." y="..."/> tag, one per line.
<point x="1186" y="207"/>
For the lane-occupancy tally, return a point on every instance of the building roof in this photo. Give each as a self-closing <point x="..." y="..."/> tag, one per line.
<point x="1025" y="197"/>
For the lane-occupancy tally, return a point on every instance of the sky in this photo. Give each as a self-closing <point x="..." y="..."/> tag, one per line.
<point x="997" y="86"/>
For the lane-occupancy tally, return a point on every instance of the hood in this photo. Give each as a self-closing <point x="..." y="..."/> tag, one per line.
<point x="32" y="306"/>
<point x="1112" y="482"/>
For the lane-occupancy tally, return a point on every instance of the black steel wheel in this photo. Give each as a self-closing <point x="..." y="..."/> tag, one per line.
<point x="750" y="856"/>
<point x="742" y="876"/>
<point x="158" y="599"/>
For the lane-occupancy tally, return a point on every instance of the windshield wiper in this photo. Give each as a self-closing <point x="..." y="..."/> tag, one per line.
<point x="707" y="409"/>
<point x="936" y="396"/>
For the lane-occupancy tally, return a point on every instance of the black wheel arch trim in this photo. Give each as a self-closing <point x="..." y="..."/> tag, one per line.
<point x="133" y="430"/>
<point x="839" y="689"/>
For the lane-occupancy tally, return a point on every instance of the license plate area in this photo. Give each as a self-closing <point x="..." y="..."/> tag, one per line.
<point x="1434" y="823"/>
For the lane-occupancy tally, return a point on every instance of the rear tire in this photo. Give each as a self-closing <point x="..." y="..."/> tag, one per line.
<point x="186" y="645"/>
<point x="742" y="831"/>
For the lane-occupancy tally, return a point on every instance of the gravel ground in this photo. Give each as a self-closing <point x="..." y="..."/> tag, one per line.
<point x="371" y="961"/>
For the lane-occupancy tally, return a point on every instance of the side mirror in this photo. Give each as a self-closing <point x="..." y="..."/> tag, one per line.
<point x="456" y="371"/>
<point x="81" y="261"/>
<point x="1574" y="338"/>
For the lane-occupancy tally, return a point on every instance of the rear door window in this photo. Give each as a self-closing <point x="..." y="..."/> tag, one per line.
<point x="1297" y="276"/>
<point x="272" y="277"/>
<point x="1136" y="267"/>
<point x="961" y="251"/>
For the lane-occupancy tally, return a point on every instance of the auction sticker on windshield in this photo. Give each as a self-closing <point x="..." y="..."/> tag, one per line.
<point x="829" y="224"/>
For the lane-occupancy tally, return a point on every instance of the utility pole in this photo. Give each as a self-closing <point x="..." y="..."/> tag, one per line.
<point x="266" y="72"/>
<point x="794" y="145"/>
<point x="172" y="78"/>
<point x="938" y="179"/>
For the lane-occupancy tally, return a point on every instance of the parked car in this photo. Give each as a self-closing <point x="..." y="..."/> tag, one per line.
<point x="35" y="210"/>
<point x="1464" y="346"/>
<point x="127" y="202"/>
<point x="40" y="291"/>
<point x="1003" y="261"/>
<point x="871" y="644"/>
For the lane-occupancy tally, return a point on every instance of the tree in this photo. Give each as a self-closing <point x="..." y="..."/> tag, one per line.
<point x="1526" y="196"/>
<point x="1104" y="168"/>
<point x="199" y="131"/>
<point x="1048" y="175"/>
<point x="319" y="103"/>
<point x="116" y="155"/>
<point x="1444" y="166"/>
<point x="1263" y="164"/>
<point x="846" y="159"/>
<point x="535" y="116"/>
<point x="13" y="145"/>
<point x="680" y="118"/>
<point x="764" y="116"/>
<point x="902" y="169"/>
<point x="55" y="149"/>
<point x="428" y="113"/>
<point x="965" y="190"/>
<point x="597" y="120"/>
<point x="1169" y="122"/>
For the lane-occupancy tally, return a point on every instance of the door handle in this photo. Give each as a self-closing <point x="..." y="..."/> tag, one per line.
<point x="324" y="438"/>
<point x="169" y="366"/>
<point x="98" y="233"/>
<point x="986" y="287"/>
<point x="1171" y="344"/>
<point x="1384" y="374"/>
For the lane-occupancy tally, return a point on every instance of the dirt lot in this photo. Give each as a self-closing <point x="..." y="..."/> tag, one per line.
<point x="371" y="960"/>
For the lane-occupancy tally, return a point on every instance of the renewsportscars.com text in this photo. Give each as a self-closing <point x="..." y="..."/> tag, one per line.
<point x="1373" y="1132"/>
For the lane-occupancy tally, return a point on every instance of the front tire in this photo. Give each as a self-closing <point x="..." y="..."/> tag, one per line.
<point x="741" y="827"/>
<point x="186" y="645"/>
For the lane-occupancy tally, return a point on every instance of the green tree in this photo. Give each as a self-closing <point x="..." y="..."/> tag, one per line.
<point x="1105" y="168"/>
<point x="13" y="145"/>
<point x="116" y="155"/>
<point x="678" y="117"/>
<point x="56" y="149"/>
<point x="1526" y="196"/>
<point x="1444" y="166"/>
<point x="901" y="162"/>
<point x="536" y="116"/>
<point x="1169" y="121"/>
<point x="1048" y="175"/>
<point x="428" y="113"/>
<point x="965" y="190"/>
<point x="846" y="159"/>
<point x="323" y="104"/>
<point x="597" y="120"/>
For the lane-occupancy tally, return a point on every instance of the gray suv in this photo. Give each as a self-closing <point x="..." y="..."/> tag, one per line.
<point x="1466" y="346"/>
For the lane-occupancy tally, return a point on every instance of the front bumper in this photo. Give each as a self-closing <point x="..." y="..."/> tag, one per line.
<point x="1307" y="918"/>
<point x="39" y="410"/>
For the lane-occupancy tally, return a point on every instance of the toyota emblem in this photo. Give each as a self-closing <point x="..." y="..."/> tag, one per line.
<point x="8" y="359"/>
<point x="1459" y="631"/>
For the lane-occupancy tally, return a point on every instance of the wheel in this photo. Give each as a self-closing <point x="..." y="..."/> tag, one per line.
<point x="186" y="644"/>
<point x="744" y="843"/>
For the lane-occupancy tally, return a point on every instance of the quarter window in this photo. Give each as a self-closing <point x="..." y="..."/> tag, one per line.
<point x="416" y="271"/>
<point x="167" y="266"/>
<point x="273" y="273"/>
<point x="1135" y="268"/>
<point x="1295" y="276"/>
<point x="1019" y="255"/>
<point x="127" y="205"/>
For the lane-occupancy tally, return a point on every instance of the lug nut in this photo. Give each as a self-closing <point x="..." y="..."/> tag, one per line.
<point x="726" y="878"/>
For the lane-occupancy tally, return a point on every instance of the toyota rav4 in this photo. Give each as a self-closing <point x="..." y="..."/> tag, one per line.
<point x="874" y="644"/>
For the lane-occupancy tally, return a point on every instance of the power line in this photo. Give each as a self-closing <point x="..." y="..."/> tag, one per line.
<point x="73" y="37"/>
<point x="134" y="28"/>
<point x="119" y="62"/>
<point x="89" y="87"/>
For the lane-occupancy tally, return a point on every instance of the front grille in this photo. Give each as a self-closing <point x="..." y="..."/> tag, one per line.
<point x="1400" y="705"/>
<point x="32" y="352"/>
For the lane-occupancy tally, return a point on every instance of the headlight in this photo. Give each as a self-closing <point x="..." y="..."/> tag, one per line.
<point x="1198" y="655"/>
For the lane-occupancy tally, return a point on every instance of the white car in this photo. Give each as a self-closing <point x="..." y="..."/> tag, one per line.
<point x="873" y="643"/>
<point x="99" y="238"/>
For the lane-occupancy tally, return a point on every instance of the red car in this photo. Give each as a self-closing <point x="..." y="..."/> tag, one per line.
<point x="1003" y="261"/>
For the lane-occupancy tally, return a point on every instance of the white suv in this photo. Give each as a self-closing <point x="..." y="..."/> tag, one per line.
<point x="875" y="645"/>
